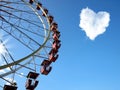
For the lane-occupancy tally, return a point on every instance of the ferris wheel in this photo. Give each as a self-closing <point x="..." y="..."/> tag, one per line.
<point x="29" y="43"/>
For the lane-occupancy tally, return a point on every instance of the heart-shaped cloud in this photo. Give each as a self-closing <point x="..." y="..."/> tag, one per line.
<point x="93" y="23"/>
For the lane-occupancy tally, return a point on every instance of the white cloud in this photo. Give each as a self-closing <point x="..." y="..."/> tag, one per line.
<point x="93" y="23"/>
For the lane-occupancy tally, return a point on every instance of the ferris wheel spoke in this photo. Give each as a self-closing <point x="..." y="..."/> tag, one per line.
<point x="6" y="80"/>
<point x="16" y="69"/>
<point x="22" y="37"/>
<point x="11" y="58"/>
<point x="38" y="32"/>
<point x="6" y="55"/>
<point x="20" y="34"/>
<point x="29" y="24"/>
<point x="21" y="60"/>
<point x="37" y="24"/>
<point x="3" y="2"/>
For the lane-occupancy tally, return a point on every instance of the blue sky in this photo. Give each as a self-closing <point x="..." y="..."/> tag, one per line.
<point x="84" y="64"/>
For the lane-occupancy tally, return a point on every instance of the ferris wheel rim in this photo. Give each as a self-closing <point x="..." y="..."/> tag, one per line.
<point x="39" y="48"/>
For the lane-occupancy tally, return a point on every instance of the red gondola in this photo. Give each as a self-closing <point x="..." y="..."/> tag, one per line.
<point x="45" y="70"/>
<point x="45" y="12"/>
<point x="54" y="51"/>
<point x="56" y="36"/>
<point x="53" y="57"/>
<point x="30" y="85"/>
<point x="57" y="32"/>
<point x="31" y="1"/>
<point x="8" y="87"/>
<point x="32" y="75"/>
<point x="50" y="18"/>
<point x="45" y="63"/>
<point x="54" y="26"/>
<point x="56" y="45"/>
<point x="39" y="5"/>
